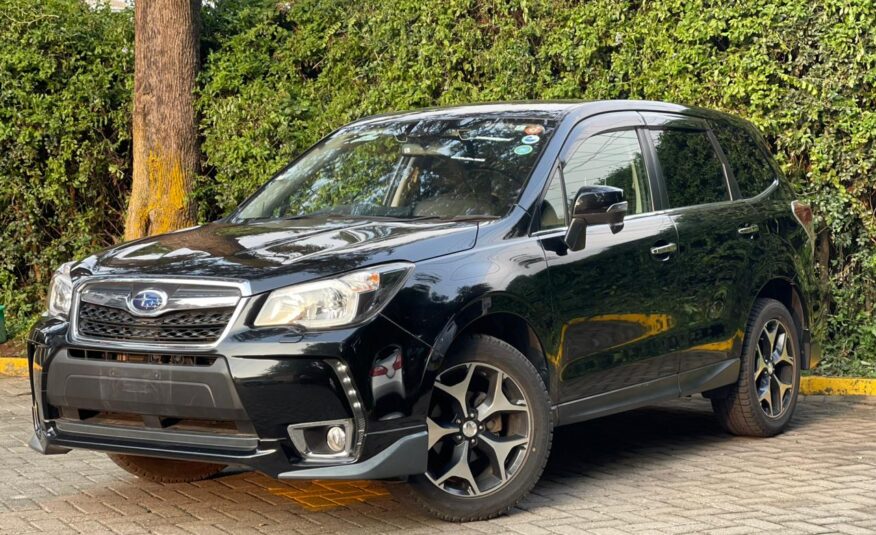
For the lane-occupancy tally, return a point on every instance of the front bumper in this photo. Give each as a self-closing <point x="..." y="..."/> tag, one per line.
<point x="235" y="403"/>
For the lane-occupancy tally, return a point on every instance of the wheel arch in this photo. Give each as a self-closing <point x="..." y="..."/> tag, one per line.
<point x="784" y="290"/>
<point x="507" y="320"/>
<point x="514" y="330"/>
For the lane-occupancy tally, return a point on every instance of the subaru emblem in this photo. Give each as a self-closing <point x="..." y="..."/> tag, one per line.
<point x="148" y="301"/>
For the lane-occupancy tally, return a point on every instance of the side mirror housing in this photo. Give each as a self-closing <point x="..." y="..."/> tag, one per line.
<point x="595" y="205"/>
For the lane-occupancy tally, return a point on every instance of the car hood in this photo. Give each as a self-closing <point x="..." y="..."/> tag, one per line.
<point x="269" y="255"/>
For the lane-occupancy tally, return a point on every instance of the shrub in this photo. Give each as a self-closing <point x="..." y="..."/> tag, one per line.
<point x="65" y="90"/>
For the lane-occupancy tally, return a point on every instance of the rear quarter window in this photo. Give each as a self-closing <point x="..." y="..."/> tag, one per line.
<point x="748" y="160"/>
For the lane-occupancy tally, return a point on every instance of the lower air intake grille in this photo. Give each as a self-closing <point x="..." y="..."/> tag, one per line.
<point x="139" y="358"/>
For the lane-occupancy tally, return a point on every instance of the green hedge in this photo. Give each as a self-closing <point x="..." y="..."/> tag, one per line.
<point x="65" y="93"/>
<point x="278" y="76"/>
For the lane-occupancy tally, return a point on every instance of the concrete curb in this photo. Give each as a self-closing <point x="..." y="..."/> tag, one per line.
<point x="837" y="386"/>
<point x="812" y="385"/>
<point x="14" y="367"/>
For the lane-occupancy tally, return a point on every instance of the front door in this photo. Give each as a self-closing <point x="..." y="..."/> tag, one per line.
<point x="613" y="297"/>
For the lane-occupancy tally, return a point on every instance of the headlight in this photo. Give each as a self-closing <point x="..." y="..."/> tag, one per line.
<point x="328" y="303"/>
<point x="60" y="292"/>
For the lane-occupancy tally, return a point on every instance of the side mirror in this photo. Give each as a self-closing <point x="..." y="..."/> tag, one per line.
<point x="595" y="205"/>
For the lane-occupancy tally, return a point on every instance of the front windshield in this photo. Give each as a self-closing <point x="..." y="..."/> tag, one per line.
<point x="435" y="168"/>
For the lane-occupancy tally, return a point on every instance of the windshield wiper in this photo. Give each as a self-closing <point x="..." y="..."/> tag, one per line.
<point x="452" y="218"/>
<point x="275" y="218"/>
<point x="473" y="217"/>
<point x="417" y="218"/>
<point x="363" y="217"/>
<point x="414" y="218"/>
<point x="459" y="217"/>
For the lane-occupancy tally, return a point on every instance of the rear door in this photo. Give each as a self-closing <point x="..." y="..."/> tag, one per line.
<point x="716" y="236"/>
<point x="611" y="297"/>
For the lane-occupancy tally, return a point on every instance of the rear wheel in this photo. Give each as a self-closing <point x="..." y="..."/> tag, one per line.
<point x="490" y="432"/>
<point x="763" y="400"/>
<point x="165" y="470"/>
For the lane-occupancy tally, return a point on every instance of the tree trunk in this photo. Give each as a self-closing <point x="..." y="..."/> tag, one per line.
<point x="165" y="134"/>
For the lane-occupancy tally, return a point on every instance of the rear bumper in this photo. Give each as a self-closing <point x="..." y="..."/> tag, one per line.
<point x="235" y="406"/>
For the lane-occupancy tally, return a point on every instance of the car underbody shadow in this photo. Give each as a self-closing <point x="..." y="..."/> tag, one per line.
<point x="641" y="448"/>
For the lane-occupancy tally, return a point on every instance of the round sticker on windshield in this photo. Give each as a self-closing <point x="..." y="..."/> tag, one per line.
<point x="529" y="140"/>
<point x="533" y="129"/>
<point x="522" y="150"/>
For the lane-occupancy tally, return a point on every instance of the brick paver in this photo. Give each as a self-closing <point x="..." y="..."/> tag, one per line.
<point x="667" y="469"/>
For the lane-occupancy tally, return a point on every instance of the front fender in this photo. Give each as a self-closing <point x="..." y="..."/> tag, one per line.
<point x="445" y="296"/>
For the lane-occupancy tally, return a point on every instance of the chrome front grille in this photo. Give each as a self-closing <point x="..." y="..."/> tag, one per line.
<point x="192" y="313"/>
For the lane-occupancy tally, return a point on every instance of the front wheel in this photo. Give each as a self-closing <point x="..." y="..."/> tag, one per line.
<point x="490" y="431"/>
<point x="165" y="470"/>
<point x="764" y="398"/>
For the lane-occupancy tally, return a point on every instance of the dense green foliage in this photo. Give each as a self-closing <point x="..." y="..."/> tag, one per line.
<point x="278" y="76"/>
<point x="65" y="92"/>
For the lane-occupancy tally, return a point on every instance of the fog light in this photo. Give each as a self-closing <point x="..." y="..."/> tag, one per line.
<point x="336" y="439"/>
<point x="324" y="440"/>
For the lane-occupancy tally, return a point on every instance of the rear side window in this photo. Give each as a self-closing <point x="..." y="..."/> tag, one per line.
<point x="749" y="164"/>
<point x="692" y="171"/>
<point x="610" y="159"/>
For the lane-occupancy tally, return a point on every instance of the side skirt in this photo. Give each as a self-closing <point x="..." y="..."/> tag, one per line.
<point x="709" y="377"/>
<point x="663" y="389"/>
<point x="623" y="399"/>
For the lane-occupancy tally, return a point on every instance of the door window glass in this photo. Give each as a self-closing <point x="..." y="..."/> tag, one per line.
<point x="553" y="207"/>
<point x="748" y="162"/>
<point x="691" y="169"/>
<point x="610" y="159"/>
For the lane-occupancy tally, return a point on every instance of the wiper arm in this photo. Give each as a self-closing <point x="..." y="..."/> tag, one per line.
<point x="275" y="218"/>
<point x="412" y="218"/>
<point x="362" y="217"/>
<point x="473" y="217"/>
<point x="457" y="217"/>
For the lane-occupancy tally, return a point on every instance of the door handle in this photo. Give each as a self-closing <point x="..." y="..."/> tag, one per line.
<point x="751" y="229"/>
<point x="661" y="250"/>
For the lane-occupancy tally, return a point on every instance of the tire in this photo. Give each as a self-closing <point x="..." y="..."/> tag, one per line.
<point x="522" y="410"/>
<point x="744" y="411"/>
<point x="165" y="470"/>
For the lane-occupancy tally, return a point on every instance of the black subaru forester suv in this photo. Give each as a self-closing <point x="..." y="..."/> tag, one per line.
<point x="428" y="294"/>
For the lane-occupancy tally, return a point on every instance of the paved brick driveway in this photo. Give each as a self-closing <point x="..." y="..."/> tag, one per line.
<point x="661" y="470"/>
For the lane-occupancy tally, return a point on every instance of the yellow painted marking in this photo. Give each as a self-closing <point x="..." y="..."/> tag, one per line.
<point x="15" y="367"/>
<point x="323" y="495"/>
<point x="837" y="386"/>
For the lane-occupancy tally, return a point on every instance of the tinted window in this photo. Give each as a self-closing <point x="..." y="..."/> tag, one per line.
<point x="553" y="209"/>
<point x="691" y="169"/>
<point x="610" y="159"/>
<point x="748" y="162"/>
